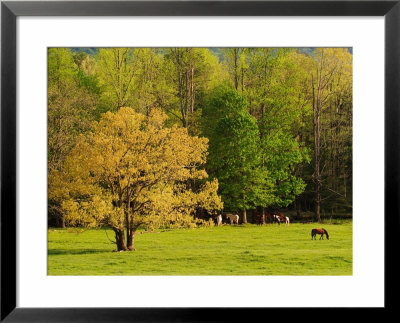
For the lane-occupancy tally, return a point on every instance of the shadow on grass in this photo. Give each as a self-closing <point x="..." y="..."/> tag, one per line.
<point x="51" y="252"/>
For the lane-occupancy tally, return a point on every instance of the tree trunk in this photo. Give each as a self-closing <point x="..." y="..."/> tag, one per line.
<point x="236" y="68"/>
<point x="262" y="109"/>
<point x="318" y="209"/>
<point x="244" y="216"/>
<point x="263" y="215"/>
<point x="131" y="239"/>
<point x="242" y="79"/>
<point x="317" y="178"/>
<point x="130" y="233"/>
<point x="120" y="240"/>
<point x="317" y="154"/>
<point x="181" y="86"/>
<point x="297" y="206"/>
<point x="317" y="173"/>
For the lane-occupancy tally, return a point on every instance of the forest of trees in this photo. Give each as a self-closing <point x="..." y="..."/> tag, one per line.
<point x="236" y="129"/>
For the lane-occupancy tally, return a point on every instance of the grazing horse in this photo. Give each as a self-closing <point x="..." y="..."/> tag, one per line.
<point x="321" y="232"/>
<point x="219" y="219"/>
<point x="287" y="221"/>
<point x="233" y="218"/>
<point x="259" y="219"/>
<point x="279" y="217"/>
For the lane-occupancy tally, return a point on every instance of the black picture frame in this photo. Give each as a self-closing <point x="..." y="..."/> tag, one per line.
<point x="10" y="10"/>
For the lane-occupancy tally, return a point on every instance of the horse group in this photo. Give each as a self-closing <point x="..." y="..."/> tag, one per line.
<point x="233" y="218"/>
<point x="272" y="217"/>
<point x="259" y="219"/>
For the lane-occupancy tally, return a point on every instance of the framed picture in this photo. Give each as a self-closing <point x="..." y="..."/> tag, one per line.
<point x="258" y="60"/>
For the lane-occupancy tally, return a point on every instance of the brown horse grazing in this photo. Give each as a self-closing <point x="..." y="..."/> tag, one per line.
<point x="259" y="219"/>
<point x="321" y="232"/>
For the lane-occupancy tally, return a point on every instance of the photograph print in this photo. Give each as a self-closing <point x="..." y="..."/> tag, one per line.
<point x="200" y="161"/>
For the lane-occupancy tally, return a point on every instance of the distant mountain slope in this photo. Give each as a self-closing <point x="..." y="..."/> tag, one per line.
<point x="216" y="50"/>
<point x="89" y="50"/>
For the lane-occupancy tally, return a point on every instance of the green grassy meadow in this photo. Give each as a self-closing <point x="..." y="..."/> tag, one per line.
<point x="224" y="250"/>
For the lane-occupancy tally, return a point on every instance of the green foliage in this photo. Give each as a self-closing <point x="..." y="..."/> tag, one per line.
<point x="191" y="73"/>
<point x="223" y="101"/>
<point x="61" y="67"/>
<point x="234" y="152"/>
<point x="72" y="106"/>
<point x="115" y="73"/>
<point x="72" y="99"/>
<point x="255" y="106"/>
<point x="281" y="154"/>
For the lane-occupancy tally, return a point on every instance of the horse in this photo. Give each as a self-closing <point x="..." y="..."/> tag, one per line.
<point x="233" y="218"/>
<point x="321" y="232"/>
<point x="279" y="217"/>
<point x="219" y="220"/>
<point x="287" y="221"/>
<point x="259" y="219"/>
<point x="275" y="218"/>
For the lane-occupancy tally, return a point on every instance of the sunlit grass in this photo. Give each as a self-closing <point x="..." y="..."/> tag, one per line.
<point x="226" y="250"/>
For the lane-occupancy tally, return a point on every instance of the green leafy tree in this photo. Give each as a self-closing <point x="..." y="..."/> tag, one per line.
<point x="281" y="154"/>
<point x="191" y="73"/>
<point x="72" y="100"/>
<point x="331" y="96"/>
<point x="234" y="153"/>
<point x="274" y="81"/>
<point x="115" y="72"/>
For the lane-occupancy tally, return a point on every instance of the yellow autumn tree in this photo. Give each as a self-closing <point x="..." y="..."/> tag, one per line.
<point x="132" y="171"/>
